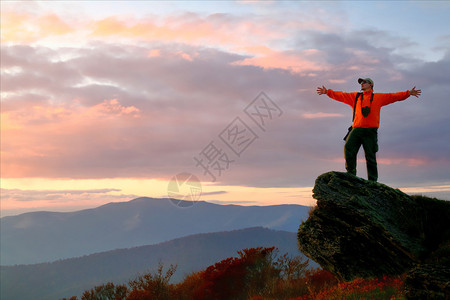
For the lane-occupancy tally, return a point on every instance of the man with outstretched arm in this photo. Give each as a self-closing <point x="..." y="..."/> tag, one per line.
<point x="366" y="120"/>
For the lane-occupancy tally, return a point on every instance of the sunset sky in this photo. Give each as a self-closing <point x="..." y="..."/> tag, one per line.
<point x="107" y="101"/>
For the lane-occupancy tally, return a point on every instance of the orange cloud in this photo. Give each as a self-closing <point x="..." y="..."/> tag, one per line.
<point x="220" y="30"/>
<point x="41" y="135"/>
<point x="8" y="122"/>
<point x="411" y="162"/>
<point x="321" y="115"/>
<point x="113" y="107"/>
<point x="295" y="62"/>
<point x="25" y="27"/>
<point x="216" y="29"/>
<point x="22" y="200"/>
<point x="108" y="26"/>
<point x="154" y="53"/>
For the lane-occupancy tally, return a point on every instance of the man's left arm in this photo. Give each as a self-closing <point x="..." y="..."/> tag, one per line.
<point x="394" y="97"/>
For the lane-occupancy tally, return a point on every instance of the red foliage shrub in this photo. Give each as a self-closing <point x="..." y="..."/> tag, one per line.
<point x="319" y="279"/>
<point x="236" y="278"/>
<point x="139" y="295"/>
<point x="377" y="288"/>
<point x="256" y="274"/>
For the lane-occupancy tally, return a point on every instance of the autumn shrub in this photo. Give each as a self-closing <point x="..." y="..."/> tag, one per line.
<point x="185" y="289"/>
<point x="140" y="295"/>
<point x="107" y="291"/>
<point x="153" y="285"/>
<point x="262" y="271"/>
<point x="256" y="274"/>
<point x="291" y="281"/>
<point x="318" y="280"/>
<point x="377" y="288"/>
<point x="238" y="277"/>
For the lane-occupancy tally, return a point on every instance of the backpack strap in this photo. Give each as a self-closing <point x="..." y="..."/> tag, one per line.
<point x="356" y="100"/>
<point x="371" y="99"/>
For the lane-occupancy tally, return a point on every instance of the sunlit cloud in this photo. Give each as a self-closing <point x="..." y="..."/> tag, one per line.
<point x="154" y="53"/>
<point x="320" y="115"/>
<point x="413" y="162"/>
<point x="36" y="137"/>
<point x="253" y="36"/>
<point x="137" y="94"/>
<point x="19" y="201"/>
<point x="113" y="107"/>
<point x="50" y="195"/>
<point x="288" y="60"/>
<point x="28" y="27"/>
<point x="405" y="161"/>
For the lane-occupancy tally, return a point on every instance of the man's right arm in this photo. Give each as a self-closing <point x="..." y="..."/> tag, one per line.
<point x="347" y="98"/>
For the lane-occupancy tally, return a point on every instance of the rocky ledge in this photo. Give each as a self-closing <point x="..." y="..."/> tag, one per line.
<point x="363" y="229"/>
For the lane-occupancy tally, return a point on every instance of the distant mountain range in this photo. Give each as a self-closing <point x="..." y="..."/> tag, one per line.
<point x="71" y="277"/>
<point x="48" y="236"/>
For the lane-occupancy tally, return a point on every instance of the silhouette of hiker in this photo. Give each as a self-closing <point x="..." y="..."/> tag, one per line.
<point x="366" y="120"/>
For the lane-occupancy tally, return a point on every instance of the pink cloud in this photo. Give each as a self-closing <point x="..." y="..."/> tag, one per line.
<point x="114" y="108"/>
<point x="154" y="53"/>
<point x="27" y="27"/>
<point x="411" y="162"/>
<point x="18" y="201"/>
<point x="390" y="161"/>
<point x="295" y="62"/>
<point x="140" y="96"/>
<point x="259" y="37"/>
<point x="220" y="29"/>
<point x="320" y="115"/>
<point x="41" y="135"/>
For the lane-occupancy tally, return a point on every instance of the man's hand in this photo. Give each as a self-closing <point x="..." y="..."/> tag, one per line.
<point x="322" y="90"/>
<point x="414" y="92"/>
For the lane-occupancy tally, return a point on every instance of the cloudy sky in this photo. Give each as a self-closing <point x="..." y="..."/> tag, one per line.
<point x="110" y="100"/>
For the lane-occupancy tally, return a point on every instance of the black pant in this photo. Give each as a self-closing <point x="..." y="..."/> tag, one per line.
<point x="368" y="138"/>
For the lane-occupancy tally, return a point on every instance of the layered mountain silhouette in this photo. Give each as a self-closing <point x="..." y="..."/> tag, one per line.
<point x="66" y="278"/>
<point x="48" y="236"/>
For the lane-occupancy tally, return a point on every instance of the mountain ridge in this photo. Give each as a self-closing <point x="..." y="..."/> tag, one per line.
<point x="47" y="236"/>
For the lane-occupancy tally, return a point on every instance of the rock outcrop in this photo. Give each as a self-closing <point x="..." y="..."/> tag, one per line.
<point x="363" y="229"/>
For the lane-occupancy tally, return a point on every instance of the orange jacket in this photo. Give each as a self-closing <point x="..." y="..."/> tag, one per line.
<point x="379" y="100"/>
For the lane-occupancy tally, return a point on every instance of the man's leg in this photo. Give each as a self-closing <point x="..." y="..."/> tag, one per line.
<point x="351" y="148"/>
<point x="370" y="145"/>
